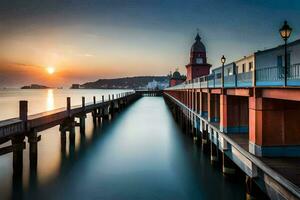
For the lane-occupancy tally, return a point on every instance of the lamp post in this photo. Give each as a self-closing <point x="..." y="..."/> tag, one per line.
<point x="285" y="32"/>
<point x="223" y="60"/>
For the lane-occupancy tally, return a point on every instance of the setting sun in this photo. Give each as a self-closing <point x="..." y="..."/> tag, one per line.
<point x="50" y="70"/>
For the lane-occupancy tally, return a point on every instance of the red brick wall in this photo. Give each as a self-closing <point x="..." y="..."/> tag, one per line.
<point x="195" y="71"/>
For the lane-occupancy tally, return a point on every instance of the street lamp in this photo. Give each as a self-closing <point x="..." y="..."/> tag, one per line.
<point x="285" y="32"/>
<point x="223" y="60"/>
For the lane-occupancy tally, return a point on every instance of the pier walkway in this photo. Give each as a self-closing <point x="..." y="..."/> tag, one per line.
<point x="196" y="110"/>
<point x="257" y="127"/>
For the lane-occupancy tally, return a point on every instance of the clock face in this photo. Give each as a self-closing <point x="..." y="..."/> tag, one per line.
<point x="199" y="60"/>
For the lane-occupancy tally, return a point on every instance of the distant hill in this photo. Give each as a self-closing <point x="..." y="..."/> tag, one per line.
<point x="137" y="82"/>
<point x="35" y="86"/>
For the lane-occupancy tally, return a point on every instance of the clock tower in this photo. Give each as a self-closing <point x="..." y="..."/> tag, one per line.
<point x="198" y="65"/>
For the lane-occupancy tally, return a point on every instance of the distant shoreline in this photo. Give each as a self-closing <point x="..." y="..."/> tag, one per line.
<point x="36" y="86"/>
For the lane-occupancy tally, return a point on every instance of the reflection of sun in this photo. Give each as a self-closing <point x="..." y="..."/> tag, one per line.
<point x="50" y="100"/>
<point x="50" y="70"/>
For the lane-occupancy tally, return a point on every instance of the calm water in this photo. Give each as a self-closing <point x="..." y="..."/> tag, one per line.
<point x="140" y="154"/>
<point x="45" y="100"/>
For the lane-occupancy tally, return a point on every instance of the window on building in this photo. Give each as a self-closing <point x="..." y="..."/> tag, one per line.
<point x="229" y="72"/>
<point x="243" y="68"/>
<point x="279" y="61"/>
<point x="288" y="59"/>
<point x="288" y="64"/>
<point x="250" y="66"/>
<point x="199" y="60"/>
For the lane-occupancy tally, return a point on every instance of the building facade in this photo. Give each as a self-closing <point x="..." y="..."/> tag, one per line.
<point x="270" y="67"/>
<point x="246" y="64"/>
<point x="176" y="78"/>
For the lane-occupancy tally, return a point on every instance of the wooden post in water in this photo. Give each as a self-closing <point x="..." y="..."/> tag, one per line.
<point x="252" y="190"/>
<point x="33" y="140"/>
<point x="69" y="106"/>
<point x="102" y="98"/>
<point x="106" y="110"/>
<point x="99" y="115"/>
<point x="23" y="110"/>
<point x="94" y="113"/>
<point x="198" y="135"/>
<point x="72" y="135"/>
<point x="205" y="145"/>
<point x="18" y="145"/>
<point x="83" y="102"/>
<point x="228" y="167"/>
<point x="70" y="123"/>
<point x="214" y="158"/>
<point x="63" y="142"/>
<point x="18" y="141"/>
<point x="82" y="117"/>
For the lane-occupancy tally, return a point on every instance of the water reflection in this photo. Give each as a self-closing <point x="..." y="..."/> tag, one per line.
<point x="50" y="100"/>
<point x="127" y="158"/>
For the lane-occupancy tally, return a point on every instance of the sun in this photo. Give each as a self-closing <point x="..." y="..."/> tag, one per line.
<point x="50" y="70"/>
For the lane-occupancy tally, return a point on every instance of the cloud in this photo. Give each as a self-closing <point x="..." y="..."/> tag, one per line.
<point x="24" y="65"/>
<point x="88" y="55"/>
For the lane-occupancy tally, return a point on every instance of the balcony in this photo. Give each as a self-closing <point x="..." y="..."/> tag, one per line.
<point x="267" y="76"/>
<point x="230" y="81"/>
<point x="211" y="80"/>
<point x="270" y="76"/>
<point x="274" y="76"/>
<point x="294" y="75"/>
<point x="245" y="79"/>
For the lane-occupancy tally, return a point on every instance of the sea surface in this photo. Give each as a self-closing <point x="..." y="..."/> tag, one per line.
<point x="140" y="154"/>
<point x="40" y="100"/>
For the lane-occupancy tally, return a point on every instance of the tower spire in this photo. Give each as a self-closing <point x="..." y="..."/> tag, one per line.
<point x="197" y="38"/>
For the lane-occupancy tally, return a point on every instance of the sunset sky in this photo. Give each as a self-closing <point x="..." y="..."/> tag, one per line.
<point x="92" y="39"/>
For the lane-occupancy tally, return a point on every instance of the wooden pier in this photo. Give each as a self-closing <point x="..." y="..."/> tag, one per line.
<point x="17" y="129"/>
<point x="151" y="93"/>
<point x="195" y="110"/>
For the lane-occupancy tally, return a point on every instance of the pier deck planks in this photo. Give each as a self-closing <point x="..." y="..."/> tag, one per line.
<point x="287" y="167"/>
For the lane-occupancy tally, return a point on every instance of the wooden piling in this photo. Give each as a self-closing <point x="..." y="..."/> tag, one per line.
<point x="33" y="140"/>
<point x="94" y="113"/>
<point x="99" y="115"/>
<point x="63" y="142"/>
<point x="205" y="144"/>
<point x="214" y="158"/>
<point x="83" y="102"/>
<point x="228" y="167"/>
<point x="82" y="118"/>
<point x="18" y="146"/>
<point x="23" y="110"/>
<point x="69" y="106"/>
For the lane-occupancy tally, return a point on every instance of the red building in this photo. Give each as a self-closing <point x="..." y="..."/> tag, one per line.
<point x="198" y="65"/>
<point x="176" y="79"/>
